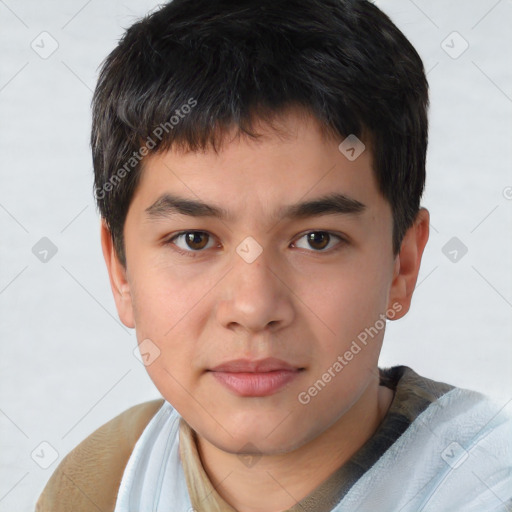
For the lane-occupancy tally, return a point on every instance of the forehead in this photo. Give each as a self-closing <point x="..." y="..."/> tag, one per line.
<point x="293" y="160"/>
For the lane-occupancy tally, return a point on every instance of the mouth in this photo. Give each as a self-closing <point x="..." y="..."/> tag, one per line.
<point x="261" y="378"/>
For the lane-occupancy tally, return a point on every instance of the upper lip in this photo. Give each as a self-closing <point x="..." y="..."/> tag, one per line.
<point x="246" y="365"/>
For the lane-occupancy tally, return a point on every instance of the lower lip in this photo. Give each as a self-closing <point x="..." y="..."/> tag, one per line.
<point x="256" y="384"/>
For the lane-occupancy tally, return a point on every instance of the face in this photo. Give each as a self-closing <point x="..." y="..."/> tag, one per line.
<point x="252" y="310"/>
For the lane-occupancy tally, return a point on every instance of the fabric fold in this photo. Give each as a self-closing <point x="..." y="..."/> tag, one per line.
<point x="439" y="449"/>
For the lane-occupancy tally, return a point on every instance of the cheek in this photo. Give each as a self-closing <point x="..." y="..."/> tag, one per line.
<point x="162" y="298"/>
<point x="350" y="301"/>
<point x="162" y="319"/>
<point x="166" y="307"/>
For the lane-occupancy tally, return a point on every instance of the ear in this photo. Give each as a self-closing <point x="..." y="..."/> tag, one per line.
<point x="407" y="264"/>
<point x="117" y="276"/>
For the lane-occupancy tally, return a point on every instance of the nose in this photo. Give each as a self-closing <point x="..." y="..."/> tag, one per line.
<point x="255" y="296"/>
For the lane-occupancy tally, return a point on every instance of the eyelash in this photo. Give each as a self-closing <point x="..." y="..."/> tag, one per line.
<point x="193" y="254"/>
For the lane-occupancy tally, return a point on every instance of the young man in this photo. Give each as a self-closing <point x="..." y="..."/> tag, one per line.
<point x="259" y="168"/>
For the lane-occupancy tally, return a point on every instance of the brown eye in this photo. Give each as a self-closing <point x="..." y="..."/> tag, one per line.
<point x="318" y="239"/>
<point x="190" y="241"/>
<point x="196" y="240"/>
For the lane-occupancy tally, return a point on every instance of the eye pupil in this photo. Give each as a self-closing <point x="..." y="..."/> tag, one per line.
<point x="191" y="239"/>
<point x="318" y="236"/>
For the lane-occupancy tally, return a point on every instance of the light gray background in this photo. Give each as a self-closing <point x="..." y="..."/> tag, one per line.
<point x="66" y="361"/>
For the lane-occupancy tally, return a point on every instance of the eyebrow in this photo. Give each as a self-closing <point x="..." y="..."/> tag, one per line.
<point x="168" y="205"/>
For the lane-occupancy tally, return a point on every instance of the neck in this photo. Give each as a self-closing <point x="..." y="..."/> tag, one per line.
<point x="278" y="482"/>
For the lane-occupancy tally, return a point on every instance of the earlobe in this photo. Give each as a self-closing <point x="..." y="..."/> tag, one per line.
<point x="117" y="276"/>
<point x="407" y="263"/>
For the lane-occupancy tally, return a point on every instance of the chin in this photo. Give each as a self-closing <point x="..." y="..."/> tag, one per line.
<point x="269" y="436"/>
<point x="259" y="445"/>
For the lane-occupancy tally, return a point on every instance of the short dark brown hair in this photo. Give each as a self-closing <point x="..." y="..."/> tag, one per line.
<point x="194" y="69"/>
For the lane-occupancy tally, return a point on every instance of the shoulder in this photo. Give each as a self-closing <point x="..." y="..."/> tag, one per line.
<point x="476" y="450"/>
<point x="89" y="476"/>
<point x="447" y="414"/>
<point x="463" y="439"/>
<point x="452" y="450"/>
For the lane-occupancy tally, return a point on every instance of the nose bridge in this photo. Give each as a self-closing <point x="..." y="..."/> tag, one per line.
<point x="254" y="295"/>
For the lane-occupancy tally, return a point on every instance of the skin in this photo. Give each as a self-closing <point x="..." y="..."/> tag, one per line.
<point x="299" y="302"/>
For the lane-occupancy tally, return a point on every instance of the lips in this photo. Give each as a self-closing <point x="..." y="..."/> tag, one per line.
<point x="270" y="364"/>
<point x="255" y="378"/>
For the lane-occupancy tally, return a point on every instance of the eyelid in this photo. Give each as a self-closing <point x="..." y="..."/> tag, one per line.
<point x="170" y="241"/>
<point x="342" y="241"/>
